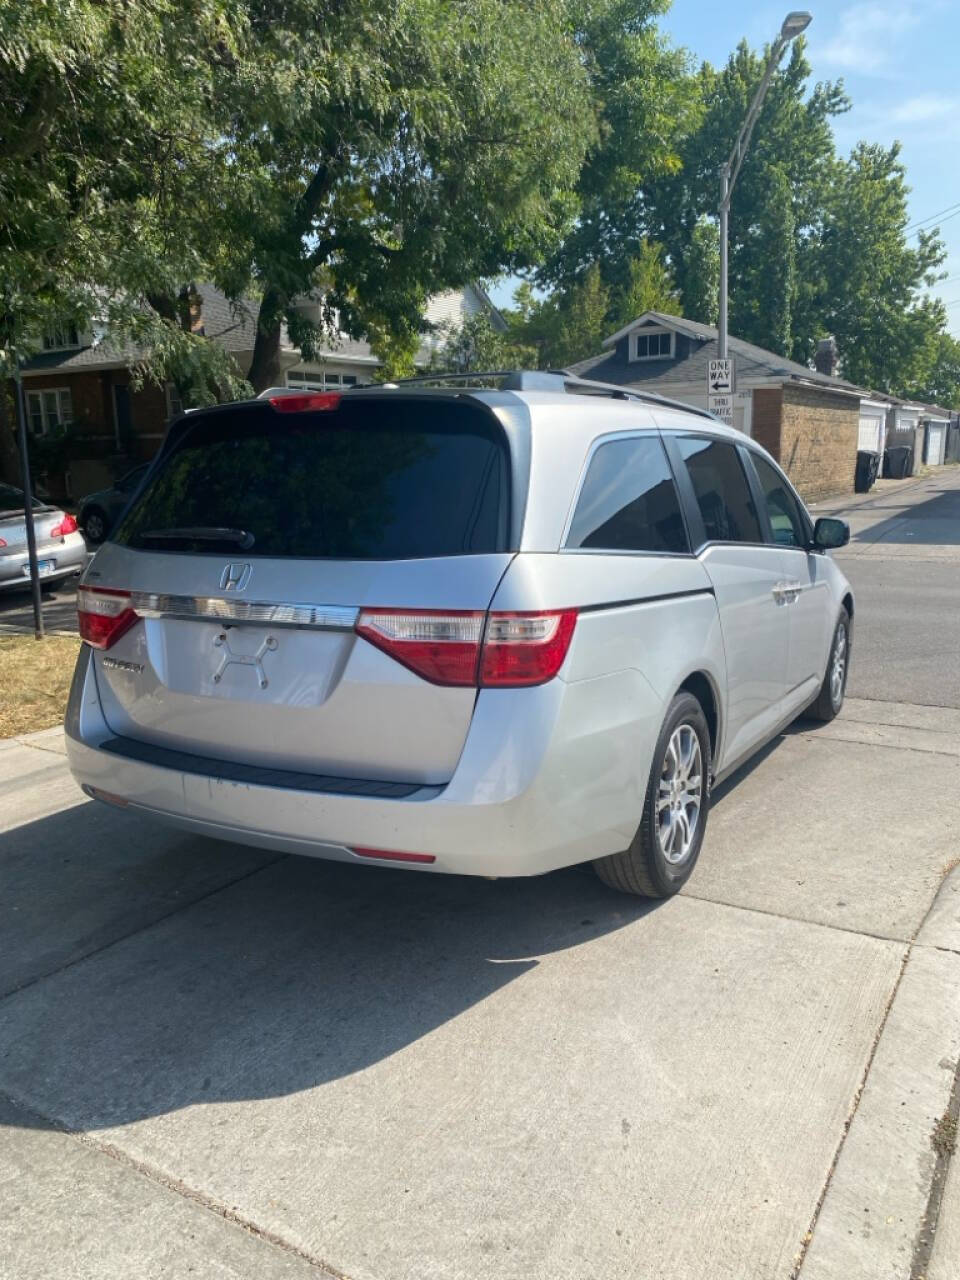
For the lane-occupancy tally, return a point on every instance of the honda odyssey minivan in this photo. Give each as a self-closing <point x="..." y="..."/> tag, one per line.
<point x="485" y="629"/>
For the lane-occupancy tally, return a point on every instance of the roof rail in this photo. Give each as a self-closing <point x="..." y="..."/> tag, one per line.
<point x="557" y="380"/>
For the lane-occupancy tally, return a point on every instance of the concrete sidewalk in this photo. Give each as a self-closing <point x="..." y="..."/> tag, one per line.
<point x="220" y="1062"/>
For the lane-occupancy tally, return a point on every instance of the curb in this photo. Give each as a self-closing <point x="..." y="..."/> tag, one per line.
<point x="874" y="1217"/>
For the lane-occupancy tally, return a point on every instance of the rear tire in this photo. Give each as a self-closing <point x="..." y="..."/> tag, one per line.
<point x="665" y="849"/>
<point x="830" y="698"/>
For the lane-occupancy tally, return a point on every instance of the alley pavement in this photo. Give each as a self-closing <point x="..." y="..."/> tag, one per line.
<point x="221" y="1062"/>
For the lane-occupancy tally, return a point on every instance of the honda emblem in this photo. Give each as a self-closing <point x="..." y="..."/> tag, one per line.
<point x="235" y="577"/>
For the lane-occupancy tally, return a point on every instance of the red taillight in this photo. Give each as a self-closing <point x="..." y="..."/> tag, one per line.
<point x="67" y="525"/>
<point x="473" y="649"/>
<point x="393" y="855"/>
<point x="309" y="400"/>
<point x="103" y="615"/>
<point x="442" y="646"/>
<point x="525" y="648"/>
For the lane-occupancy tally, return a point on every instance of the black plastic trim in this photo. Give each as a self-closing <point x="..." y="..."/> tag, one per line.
<point x="668" y="595"/>
<point x="255" y="775"/>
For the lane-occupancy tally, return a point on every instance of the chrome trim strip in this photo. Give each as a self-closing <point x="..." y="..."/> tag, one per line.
<point x="326" y="617"/>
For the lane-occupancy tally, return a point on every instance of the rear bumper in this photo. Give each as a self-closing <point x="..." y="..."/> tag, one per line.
<point x="549" y="776"/>
<point x="68" y="555"/>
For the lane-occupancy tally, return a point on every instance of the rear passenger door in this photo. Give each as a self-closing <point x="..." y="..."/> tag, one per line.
<point x="747" y="575"/>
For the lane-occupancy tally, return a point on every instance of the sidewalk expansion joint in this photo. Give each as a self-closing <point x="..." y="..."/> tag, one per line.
<point x="177" y="1187"/>
<point x="98" y="951"/>
<point x="803" y="920"/>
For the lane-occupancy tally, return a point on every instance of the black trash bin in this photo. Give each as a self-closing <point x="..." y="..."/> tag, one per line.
<point x="868" y="464"/>
<point x="896" y="461"/>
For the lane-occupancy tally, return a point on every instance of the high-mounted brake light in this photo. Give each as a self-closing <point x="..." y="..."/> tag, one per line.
<point x="103" y="615"/>
<point x="472" y="649"/>
<point x="67" y="525"/>
<point x="310" y="400"/>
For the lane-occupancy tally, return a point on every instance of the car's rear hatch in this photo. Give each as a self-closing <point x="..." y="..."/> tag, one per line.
<point x="241" y="645"/>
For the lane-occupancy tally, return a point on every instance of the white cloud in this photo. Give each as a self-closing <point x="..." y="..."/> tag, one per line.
<point x="926" y="108"/>
<point x="867" y="36"/>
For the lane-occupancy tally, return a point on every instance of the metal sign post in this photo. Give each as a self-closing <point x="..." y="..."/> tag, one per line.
<point x="28" y="509"/>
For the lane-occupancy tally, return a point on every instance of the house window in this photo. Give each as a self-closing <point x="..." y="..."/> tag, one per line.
<point x="174" y="403"/>
<point x="49" y="409"/>
<point x="315" y="380"/>
<point x="61" y="337"/>
<point x="653" y="345"/>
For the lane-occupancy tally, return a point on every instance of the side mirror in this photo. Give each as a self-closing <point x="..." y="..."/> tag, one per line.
<point x="829" y="533"/>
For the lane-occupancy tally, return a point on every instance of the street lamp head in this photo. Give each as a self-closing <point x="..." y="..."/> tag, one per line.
<point x="794" y="23"/>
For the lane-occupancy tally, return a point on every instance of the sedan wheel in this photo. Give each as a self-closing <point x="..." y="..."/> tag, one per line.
<point x="95" y="526"/>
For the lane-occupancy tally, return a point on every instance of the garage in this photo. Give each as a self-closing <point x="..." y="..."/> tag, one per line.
<point x="870" y="435"/>
<point x="935" y="443"/>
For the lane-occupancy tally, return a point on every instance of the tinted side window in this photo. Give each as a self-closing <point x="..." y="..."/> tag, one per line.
<point x="785" y="518"/>
<point x="722" y="492"/>
<point x="629" y="501"/>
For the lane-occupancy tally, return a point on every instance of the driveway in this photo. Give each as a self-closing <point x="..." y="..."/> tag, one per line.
<point x="225" y="1063"/>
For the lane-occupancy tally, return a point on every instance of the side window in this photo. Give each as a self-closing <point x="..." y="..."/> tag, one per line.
<point x="629" y="500"/>
<point x="721" y="489"/>
<point x="788" y="526"/>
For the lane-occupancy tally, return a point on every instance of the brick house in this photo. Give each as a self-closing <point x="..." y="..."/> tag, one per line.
<point x="811" y="420"/>
<point x="80" y="381"/>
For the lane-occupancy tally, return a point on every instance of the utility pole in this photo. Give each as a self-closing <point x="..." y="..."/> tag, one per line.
<point x="793" y="24"/>
<point x="28" y="507"/>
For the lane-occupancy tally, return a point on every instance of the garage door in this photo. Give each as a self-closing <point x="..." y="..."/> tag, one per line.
<point x="935" y="442"/>
<point x="871" y="435"/>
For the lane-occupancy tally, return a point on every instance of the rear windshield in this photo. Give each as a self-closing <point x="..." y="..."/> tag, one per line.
<point x="369" y="481"/>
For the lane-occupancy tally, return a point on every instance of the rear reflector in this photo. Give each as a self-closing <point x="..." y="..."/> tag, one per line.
<point x="393" y="855"/>
<point x="103" y="615"/>
<point x="303" y="404"/>
<point x="473" y="649"/>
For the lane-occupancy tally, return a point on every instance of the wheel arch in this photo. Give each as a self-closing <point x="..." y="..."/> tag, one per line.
<point x="702" y="687"/>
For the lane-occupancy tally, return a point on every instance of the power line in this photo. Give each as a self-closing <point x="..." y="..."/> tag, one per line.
<point x="933" y="216"/>
<point x="940" y="223"/>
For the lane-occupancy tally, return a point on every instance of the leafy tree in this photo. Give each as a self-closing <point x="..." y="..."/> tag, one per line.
<point x="477" y="345"/>
<point x="942" y="382"/>
<point x="871" y="276"/>
<point x="700" y="273"/>
<point x="399" y="150"/>
<point x="647" y="104"/>
<point x="649" y="287"/>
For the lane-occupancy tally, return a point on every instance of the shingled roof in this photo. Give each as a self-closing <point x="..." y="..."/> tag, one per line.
<point x="612" y="365"/>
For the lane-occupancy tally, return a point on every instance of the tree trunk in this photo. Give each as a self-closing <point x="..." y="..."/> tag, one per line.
<point x="9" y="449"/>
<point x="265" y="368"/>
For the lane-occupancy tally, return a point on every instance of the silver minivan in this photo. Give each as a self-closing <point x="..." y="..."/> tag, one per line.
<point x="490" y="629"/>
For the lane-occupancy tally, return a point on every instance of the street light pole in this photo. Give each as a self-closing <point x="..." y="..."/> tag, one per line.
<point x="28" y="508"/>
<point x="793" y="24"/>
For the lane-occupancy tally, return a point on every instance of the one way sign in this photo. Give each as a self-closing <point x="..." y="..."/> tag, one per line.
<point x="720" y="378"/>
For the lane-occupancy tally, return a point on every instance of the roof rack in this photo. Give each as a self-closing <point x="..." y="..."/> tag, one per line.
<point x="557" y="380"/>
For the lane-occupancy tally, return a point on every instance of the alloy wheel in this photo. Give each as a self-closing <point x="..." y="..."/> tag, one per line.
<point x="680" y="794"/>
<point x="838" y="666"/>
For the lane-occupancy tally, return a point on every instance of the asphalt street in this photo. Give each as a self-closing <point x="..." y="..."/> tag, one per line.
<point x="219" y="1062"/>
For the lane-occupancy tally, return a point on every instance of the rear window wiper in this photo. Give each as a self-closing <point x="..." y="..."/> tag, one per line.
<point x="241" y="538"/>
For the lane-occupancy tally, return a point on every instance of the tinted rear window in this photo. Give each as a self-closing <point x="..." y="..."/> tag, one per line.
<point x="370" y="481"/>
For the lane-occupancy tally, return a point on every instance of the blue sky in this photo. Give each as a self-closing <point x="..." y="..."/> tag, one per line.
<point x="898" y="60"/>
